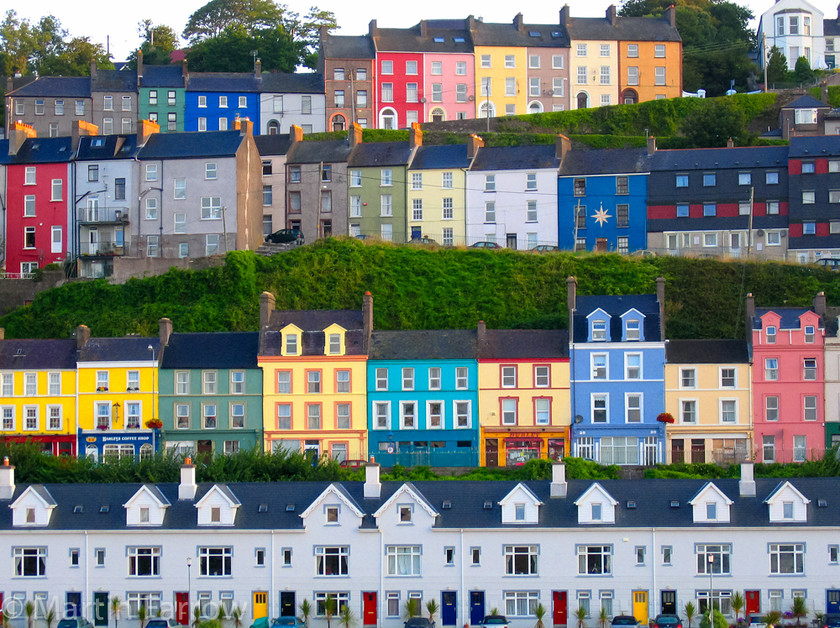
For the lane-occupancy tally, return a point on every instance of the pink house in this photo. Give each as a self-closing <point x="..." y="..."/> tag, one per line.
<point x="788" y="381"/>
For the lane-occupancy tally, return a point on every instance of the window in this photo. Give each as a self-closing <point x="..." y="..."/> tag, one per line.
<point x="713" y="559"/>
<point x="509" y="411"/>
<point x="151" y="172"/>
<point x="787" y="558"/>
<point x="771" y="408"/>
<point x="521" y="560"/>
<point x="243" y="102"/>
<point x="599" y="366"/>
<point x="143" y="561"/>
<point x="489" y="212"/>
<point x="605" y="75"/>
<point x="808" y="197"/>
<point x="800" y="449"/>
<point x="403" y="560"/>
<point x="331" y="561"/>
<point x="408" y="415"/>
<point x="688" y="411"/>
<point x="313" y="381"/>
<point x="599" y="408"/>
<point x="771" y="369"/>
<point x="769" y="448"/>
<point x="211" y="207"/>
<point x="508" y="377"/>
<point x="810" y="404"/>
<point x="29" y="206"/>
<point x="284" y="416"/>
<point x="633" y="329"/>
<point x="633" y="366"/>
<point x="461" y="377"/>
<point x="833" y="554"/>
<point x="30" y="561"/>
<point x="520" y="603"/>
<point x="208" y="415"/>
<point x="153" y="97"/>
<point x="182" y="416"/>
<point x="594" y="559"/>
<point x="542" y="377"/>
<point x="728" y="411"/>
<point x="209" y="382"/>
<point x="709" y="210"/>
<point x="659" y="77"/>
<point x="809" y="368"/>
<point x="408" y="379"/>
<point x="446" y="209"/>
<point x="214" y="561"/>
<point x="210" y="171"/>
<point x="632" y="75"/>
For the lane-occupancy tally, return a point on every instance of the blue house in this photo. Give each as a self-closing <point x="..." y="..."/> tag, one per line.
<point x="617" y="357"/>
<point x="214" y="100"/>
<point x="423" y="398"/>
<point x="602" y="200"/>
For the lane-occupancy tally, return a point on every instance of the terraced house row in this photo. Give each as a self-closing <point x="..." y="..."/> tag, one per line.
<point x="611" y="388"/>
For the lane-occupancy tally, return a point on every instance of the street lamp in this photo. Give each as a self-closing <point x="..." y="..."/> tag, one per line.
<point x="189" y="586"/>
<point x="711" y="586"/>
<point x="154" y="368"/>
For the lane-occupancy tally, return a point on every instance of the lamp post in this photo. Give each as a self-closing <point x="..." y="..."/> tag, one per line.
<point x="711" y="588"/>
<point x="154" y="368"/>
<point x="189" y="586"/>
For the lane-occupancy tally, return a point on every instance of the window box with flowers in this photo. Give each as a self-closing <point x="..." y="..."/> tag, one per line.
<point x="154" y="424"/>
<point x="102" y="427"/>
<point x="665" y="417"/>
<point x="101" y="389"/>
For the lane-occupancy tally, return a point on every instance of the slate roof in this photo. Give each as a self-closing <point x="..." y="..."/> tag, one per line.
<point x="40" y="150"/>
<point x="223" y="82"/>
<point x="223" y="350"/>
<point x="525" y="344"/>
<point x="707" y="352"/>
<point x="278" y="144"/>
<point x="114" y="147"/>
<point x="789" y="315"/>
<point x="191" y="145"/>
<point x="440" y="157"/>
<point x="466" y="500"/>
<point x="806" y="102"/>
<point x="37" y="354"/>
<point x="815" y="146"/>
<point x="493" y="34"/>
<point x="516" y="158"/>
<point x="162" y="76"/>
<point x="287" y="83"/>
<point x="412" y="39"/>
<point x="625" y="29"/>
<point x="313" y="343"/>
<point x="607" y="161"/>
<point x="431" y="344"/>
<point x="113" y="81"/>
<point x="348" y="47"/>
<point x="332" y="151"/>
<point x="313" y="322"/>
<point x="61" y="86"/>
<point x="380" y="154"/>
<point x="124" y="349"/>
<point x="831" y="27"/>
<point x="714" y="158"/>
<point x="615" y="306"/>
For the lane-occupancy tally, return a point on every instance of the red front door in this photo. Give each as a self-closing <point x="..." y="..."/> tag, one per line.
<point x="369" y="608"/>
<point x="560" y="613"/>
<point x="753" y="601"/>
<point x="182" y="608"/>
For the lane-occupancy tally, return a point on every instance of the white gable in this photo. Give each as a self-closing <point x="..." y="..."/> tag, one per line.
<point x="520" y="506"/>
<point x="407" y="506"/>
<point x="333" y="507"/>
<point x="218" y="507"/>
<point x="33" y="508"/>
<point x="147" y="507"/>
<point x="638" y="333"/>
<point x="596" y="506"/>
<point x="710" y="505"/>
<point x="786" y="504"/>
<point x="603" y="335"/>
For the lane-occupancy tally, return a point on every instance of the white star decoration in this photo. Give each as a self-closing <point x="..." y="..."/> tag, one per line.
<point x="601" y="216"/>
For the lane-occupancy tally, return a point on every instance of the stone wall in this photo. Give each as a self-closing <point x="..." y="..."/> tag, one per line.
<point x="15" y="293"/>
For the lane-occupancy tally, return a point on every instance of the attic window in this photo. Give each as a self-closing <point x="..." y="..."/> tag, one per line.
<point x="458" y="40"/>
<point x="821" y="503"/>
<point x="440" y="40"/>
<point x="290" y="507"/>
<point x="446" y="505"/>
<point x="30" y="515"/>
<point x="215" y="514"/>
<point x="631" y="504"/>
<point x="675" y="503"/>
<point x="262" y="508"/>
<point x="104" y="509"/>
<point x="98" y="141"/>
<point x="78" y="509"/>
<point x="534" y="33"/>
<point x="488" y="505"/>
<point x="19" y="352"/>
<point x="555" y="34"/>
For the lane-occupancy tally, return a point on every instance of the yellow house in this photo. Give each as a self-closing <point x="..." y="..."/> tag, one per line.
<point x="38" y="393"/>
<point x="708" y="393"/>
<point x="314" y="379"/>
<point x="593" y="71"/>
<point x="500" y="72"/>
<point x="523" y="395"/>
<point x="117" y="395"/>
<point x="437" y="205"/>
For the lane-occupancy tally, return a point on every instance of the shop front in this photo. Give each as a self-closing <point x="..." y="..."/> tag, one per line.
<point x="64" y="445"/>
<point x="117" y="444"/>
<point x="510" y="448"/>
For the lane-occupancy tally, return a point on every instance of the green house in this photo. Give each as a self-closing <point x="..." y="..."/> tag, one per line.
<point x="161" y="98"/>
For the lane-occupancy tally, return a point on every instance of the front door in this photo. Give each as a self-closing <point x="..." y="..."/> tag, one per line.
<point x="182" y="608"/>
<point x="204" y="447"/>
<point x="72" y="604"/>
<point x="510" y="241"/>
<point x="677" y="450"/>
<point x="476" y="607"/>
<point x="260" y="604"/>
<point x="287" y="604"/>
<point x="369" y="608"/>
<point x="698" y="451"/>
<point x="640" y="606"/>
<point x="100" y="608"/>
<point x="560" y="611"/>
<point x="448" y="611"/>
<point x="416" y="233"/>
<point x="491" y="452"/>
<point x="753" y="601"/>
<point x="669" y="602"/>
<point x="832" y="601"/>
<point x="601" y="245"/>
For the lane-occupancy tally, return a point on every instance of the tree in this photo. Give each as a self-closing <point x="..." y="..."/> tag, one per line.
<point x="142" y="613"/>
<point x="75" y="58"/>
<point x="713" y="618"/>
<point x="232" y="52"/>
<point x="158" y="42"/>
<point x="737" y="604"/>
<point x="29" y="609"/>
<point x="776" y="66"/>
<point x="580" y="615"/>
<point x="346" y="616"/>
<point x="713" y="125"/>
<point x="802" y="71"/>
<point x="433" y="608"/>
<point x="196" y="616"/>
<point x="115" y="610"/>
<point x="236" y="614"/>
<point x="799" y="609"/>
<point x="603" y="618"/>
<point x="329" y="608"/>
<point x="305" y="611"/>
<point x="690" y="612"/>
<point x="411" y="608"/>
<point x="217" y="16"/>
<point x="539" y="613"/>
<point x="49" y="617"/>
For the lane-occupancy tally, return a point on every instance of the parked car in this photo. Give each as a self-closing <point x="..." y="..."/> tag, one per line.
<point x="831" y="620"/>
<point x="830" y="263"/>
<point x="74" y="622"/>
<point x="163" y="623"/>
<point x="545" y="248"/>
<point x="494" y="621"/>
<point x="422" y="240"/>
<point x="485" y="245"/>
<point x="284" y="236"/>
<point x="418" y="622"/>
<point x="287" y="622"/>
<point x="754" y="620"/>
<point x="352" y="464"/>
<point x="624" y="620"/>
<point x="667" y="621"/>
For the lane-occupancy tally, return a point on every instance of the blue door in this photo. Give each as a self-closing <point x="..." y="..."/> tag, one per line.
<point x="448" y="613"/>
<point x="476" y="607"/>
<point x="73" y="604"/>
<point x="832" y="601"/>
<point x="416" y="234"/>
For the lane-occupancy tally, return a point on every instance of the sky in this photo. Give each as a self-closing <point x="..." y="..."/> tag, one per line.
<point x="117" y="22"/>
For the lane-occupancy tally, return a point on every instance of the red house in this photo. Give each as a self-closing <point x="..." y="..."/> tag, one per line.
<point x="400" y="90"/>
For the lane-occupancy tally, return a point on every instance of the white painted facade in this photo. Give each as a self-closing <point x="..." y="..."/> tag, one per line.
<point x="279" y="112"/>
<point x="796" y="28"/>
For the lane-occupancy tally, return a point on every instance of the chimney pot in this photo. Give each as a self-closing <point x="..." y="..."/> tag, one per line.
<point x="165" y="330"/>
<point x="7" y="480"/>
<point x="746" y="486"/>
<point x="373" y="487"/>
<point x="558" y="486"/>
<point x="651" y="145"/>
<point x="187" y="488"/>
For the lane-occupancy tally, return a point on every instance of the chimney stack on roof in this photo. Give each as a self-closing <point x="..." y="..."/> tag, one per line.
<point x="518" y="22"/>
<point x="93" y="70"/>
<point x="139" y="66"/>
<point x="82" y="335"/>
<point x="164" y="331"/>
<point x="355" y="134"/>
<point x="187" y="488"/>
<point x="558" y="486"/>
<point x="473" y="144"/>
<point x="367" y="318"/>
<point x="660" y="297"/>
<point x="749" y="314"/>
<point x="564" y="15"/>
<point x="295" y="134"/>
<point x="819" y="304"/>
<point x="267" y="302"/>
<point x="257" y="69"/>
<point x="746" y="486"/>
<point x="562" y="146"/>
<point x="7" y="480"/>
<point x="145" y="129"/>
<point x="415" y="136"/>
<point x="651" y="145"/>
<point x="671" y="15"/>
<point x="373" y="486"/>
<point x="612" y="17"/>
<point x="18" y="134"/>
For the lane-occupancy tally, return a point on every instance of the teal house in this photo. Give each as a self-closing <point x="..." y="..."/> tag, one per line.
<point x="161" y="98"/>
<point x="210" y="392"/>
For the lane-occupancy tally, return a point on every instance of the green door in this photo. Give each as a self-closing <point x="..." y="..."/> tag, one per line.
<point x="100" y="609"/>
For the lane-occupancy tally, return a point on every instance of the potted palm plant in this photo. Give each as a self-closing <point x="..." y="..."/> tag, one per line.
<point x="433" y="608"/>
<point x="305" y="611"/>
<point x="539" y="613"/>
<point x="580" y="615"/>
<point x="329" y="609"/>
<point x="115" y="610"/>
<point x="690" y="612"/>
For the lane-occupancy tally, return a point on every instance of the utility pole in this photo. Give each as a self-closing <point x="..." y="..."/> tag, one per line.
<point x="764" y="57"/>
<point x="575" y="223"/>
<point x="750" y="236"/>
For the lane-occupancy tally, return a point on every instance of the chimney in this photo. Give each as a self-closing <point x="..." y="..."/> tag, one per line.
<point x="258" y="69"/>
<point x="145" y="129"/>
<point x="295" y="134"/>
<point x="93" y="70"/>
<point x="373" y="29"/>
<point x="18" y="134"/>
<point x="82" y="335"/>
<point x="187" y="487"/>
<point x="749" y="314"/>
<point x="746" y="486"/>
<point x="730" y="143"/>
<point x="671" y="15"/>
<point x="480" y="338"/>
<point x="518" y="23"/>
<point x="244" y="125"/>
<point x="558" y="485"/>
<point x="474" y="144"/>
<point x="372" y="485"/>
<point x="10" y="84"/>
<point x="564" y="15"/>
<point x="612" y="18"/>
<point x="81" y="129"/>
<point x="185" y="73"/>
<point x="7" y="480"/>
<point x="562" y="145"/>
<point x="824" y="92"/>
<point x="819" y="304"/>
<point x="415" y="136"/>
<point x="660" y="298"/>
<point x="571" y="303"/>
<point x="139" y="66"/>
<point x="367" y="318"/>
<point x="424" y="29"/>
<point x="651" y="145"/>
<point x="267" y="301"/>
<point x="164" y="331"/>
<point x="2" y="333"/>
<point x="355" y="134"/>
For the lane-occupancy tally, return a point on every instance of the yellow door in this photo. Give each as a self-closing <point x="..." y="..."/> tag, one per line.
<point x="260" y="604"/>
<point x="640" y="606"/>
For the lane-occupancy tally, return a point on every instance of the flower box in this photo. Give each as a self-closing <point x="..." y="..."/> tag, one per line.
<point x="154" y="424"/>
<point x="102" y="427"/>
<point x="101" y="389"/>
<point x="665" y="417"/>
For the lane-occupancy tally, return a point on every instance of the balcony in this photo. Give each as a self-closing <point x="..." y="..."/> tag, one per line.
<point x="102" y="216"/>
<point x="105" y="248"/>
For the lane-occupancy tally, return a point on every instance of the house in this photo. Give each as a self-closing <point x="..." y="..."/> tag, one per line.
<point x="601" y="200"/>
<point x="500" y="52"/>
<point x="512" y="195"/>
<point x="273" y="150"/>
<point x="349" y="70"/>
<point x="160" y="95"/>
<point x="617" y="357"/>
<point x="788" y="384"/>
<point x="114" y="100"/>
<point x="316" y="184"/>
<point x="50" y="104"/>
<point x="214" y="101"/>
<point x="117" y="395"/>
<point x="708" y="387"/>
<point x="314" y="380"/>
<point x="523" y="395"/>
<point x="201" y="194"/>
<point x="719" y="201"/>
<point x="210" y="391"/>
<point x="805" y="116"/>
<point x="422" y="399"/>
<point x="832" y="377"/>
<point x="649" y="56"/>
<point x="38" y="393"/>
<point x="795" y="27"/>
<point x="288" y="100"/>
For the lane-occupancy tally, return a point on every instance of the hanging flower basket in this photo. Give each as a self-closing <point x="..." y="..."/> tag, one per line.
<point x="154" y="424"/>
<point x="102" y="427"/>
<point x="665" y="417"/>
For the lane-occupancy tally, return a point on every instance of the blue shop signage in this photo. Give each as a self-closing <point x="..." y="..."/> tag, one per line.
<point x="95" y="443"/>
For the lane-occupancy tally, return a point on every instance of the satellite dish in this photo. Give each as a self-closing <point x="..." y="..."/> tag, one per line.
<point x="760" y="232"/>
<point x="578" y="418"/>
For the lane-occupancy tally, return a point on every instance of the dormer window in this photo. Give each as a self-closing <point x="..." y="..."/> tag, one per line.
<point x="30" y="515"/>
<point x="632" y="330"/>
<point x="771" y="334"/>
<point x="711" y="511"/>
<point x="335" y="344"/>
<point x="215" y="515"/>
<point x="519" y="512"/>
<point x="787" y="510"/>
<point x="405" y="514"/>
<point x="144" y="515"/>
<point x="599" y="330"/>
<point x="809" y="334"/>
<point x="596" y="512"/>
<point x="291" y="344"/>
<point x="331" y="514"/>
